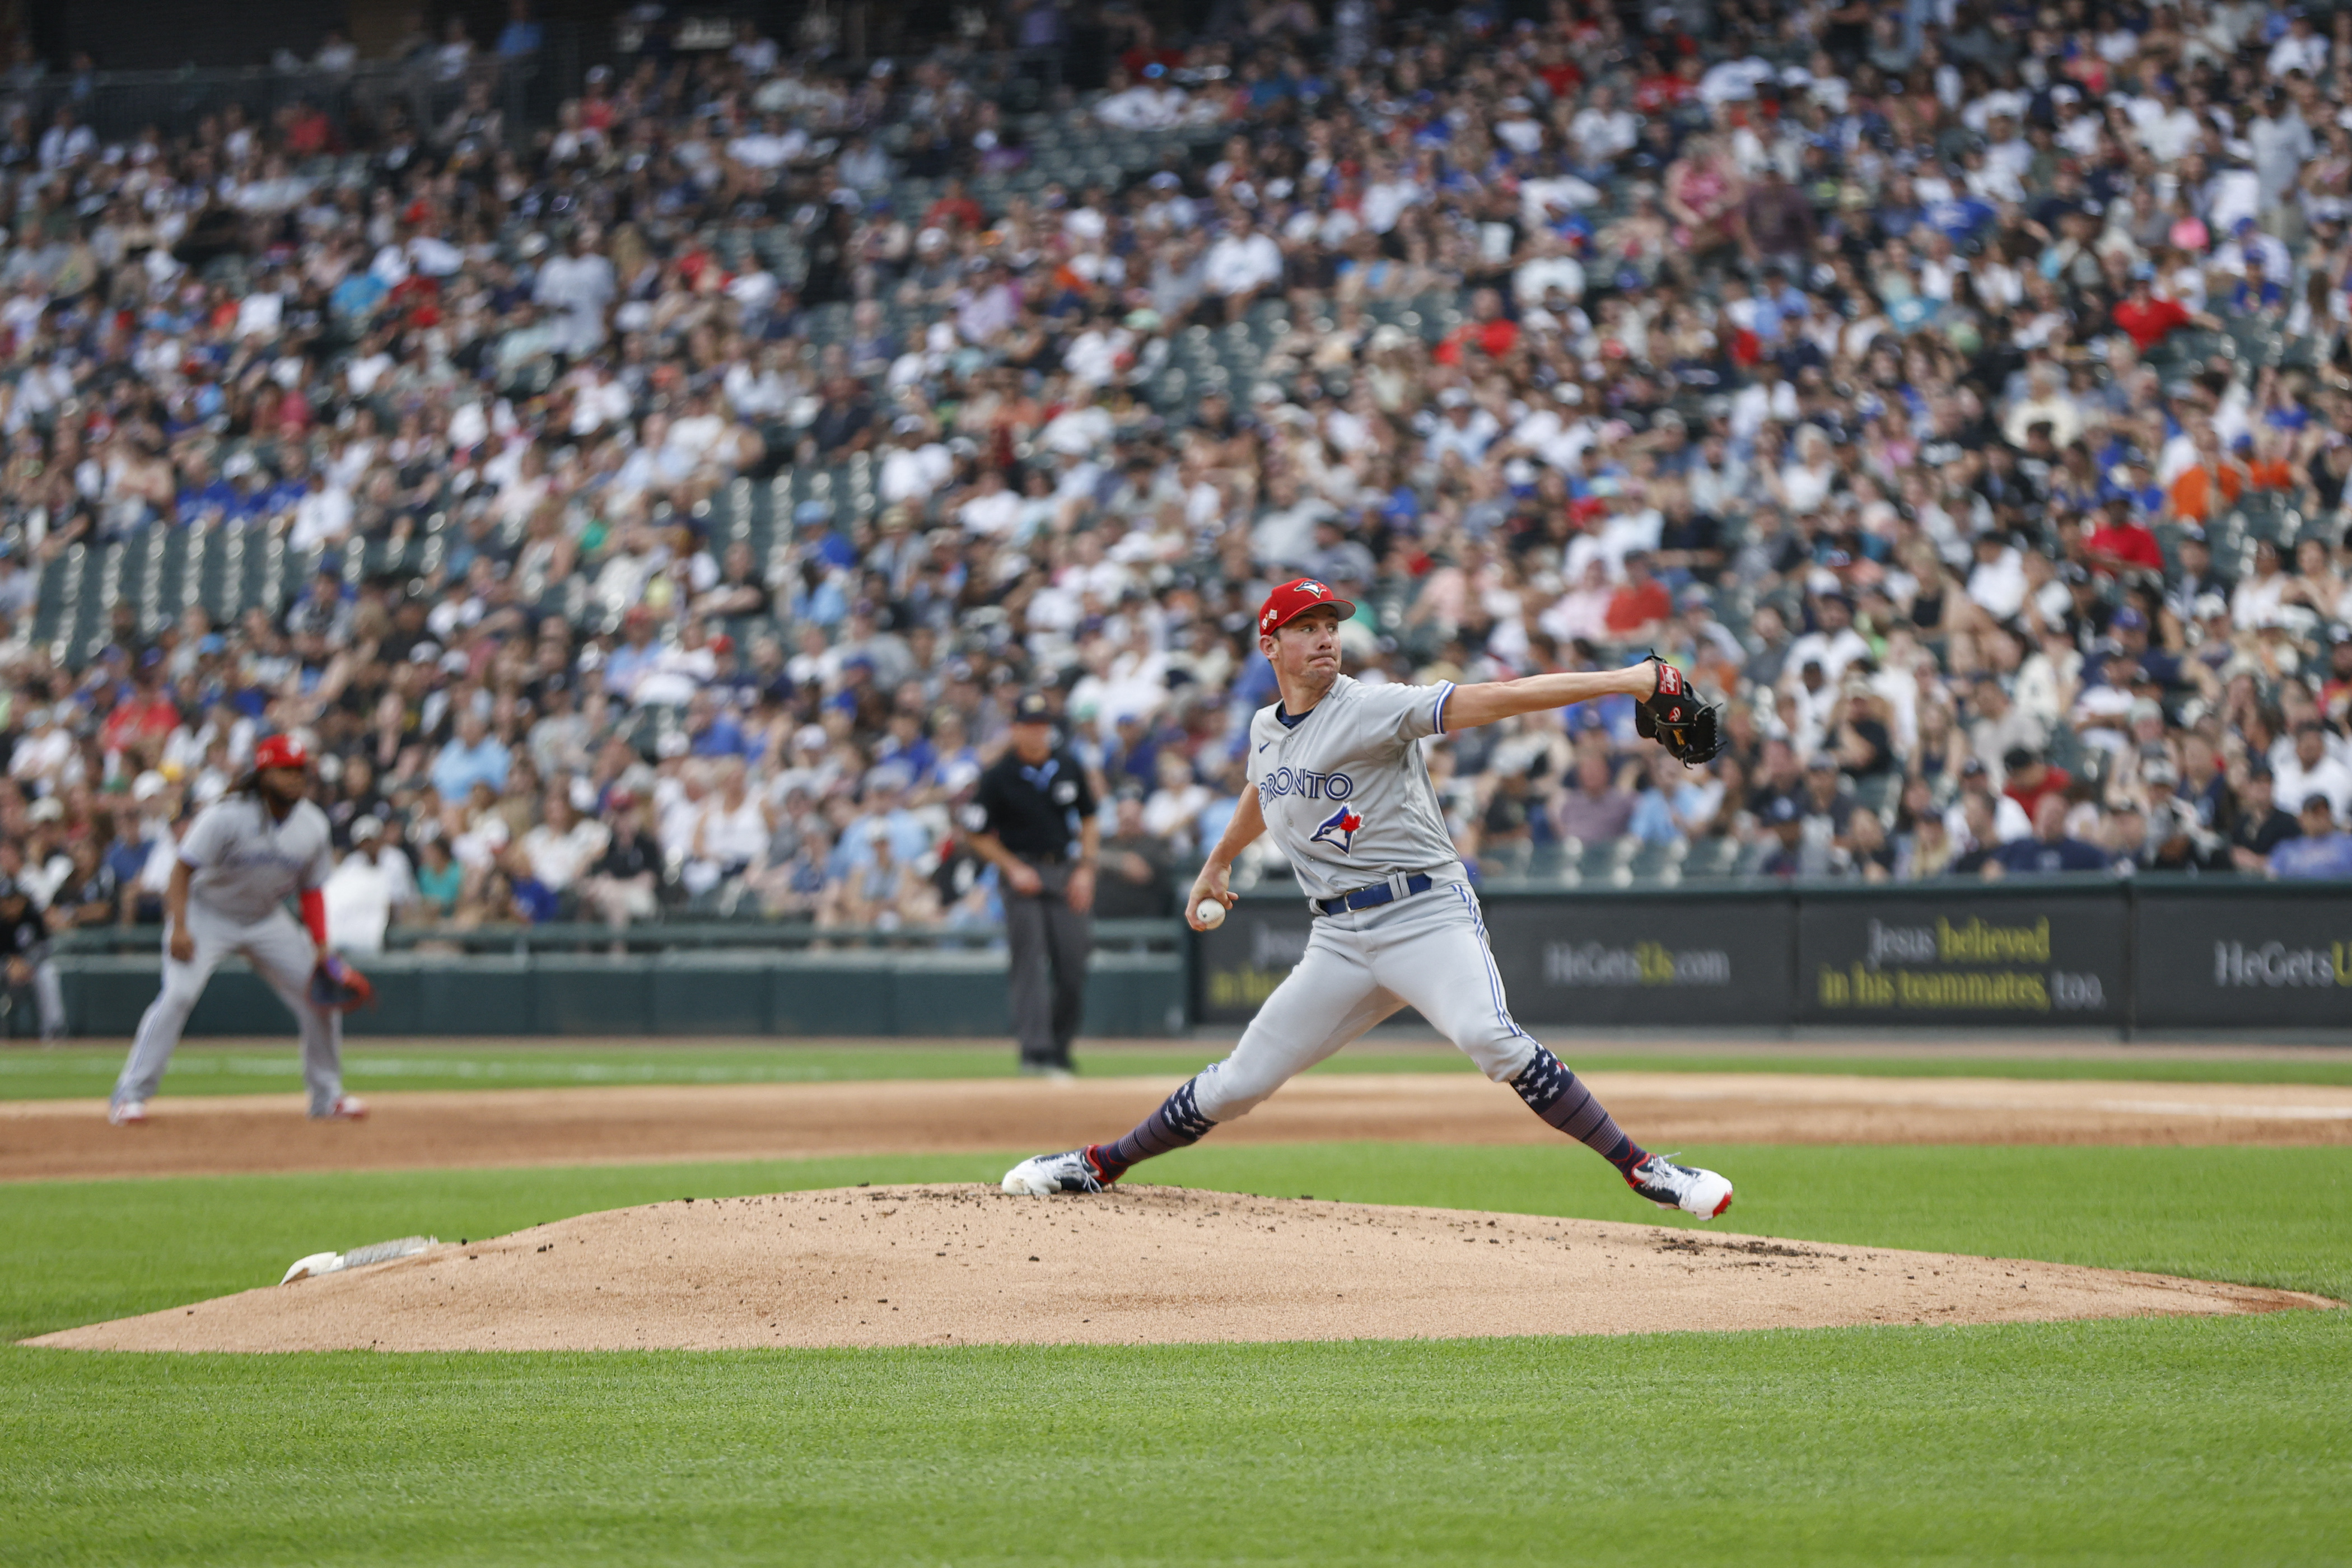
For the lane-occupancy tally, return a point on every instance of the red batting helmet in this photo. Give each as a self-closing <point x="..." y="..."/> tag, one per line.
<point x="1294" y="599"/>
<point x="280" y="751"/>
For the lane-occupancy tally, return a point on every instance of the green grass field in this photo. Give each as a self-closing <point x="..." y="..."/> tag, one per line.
<point x="254" y="1067"/>
<point x="2158" y="1440"/>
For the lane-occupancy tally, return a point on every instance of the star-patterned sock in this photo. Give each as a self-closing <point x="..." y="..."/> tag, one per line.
<point x="1559" y="1096"/>
<point x="1177" y="1124"/>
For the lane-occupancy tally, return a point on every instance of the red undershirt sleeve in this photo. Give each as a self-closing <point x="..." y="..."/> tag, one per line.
<point x="314" y="914"/>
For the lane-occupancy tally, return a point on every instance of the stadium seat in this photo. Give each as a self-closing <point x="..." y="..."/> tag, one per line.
<point x="1657" y="864"/>
<point x="1711" y="858"/>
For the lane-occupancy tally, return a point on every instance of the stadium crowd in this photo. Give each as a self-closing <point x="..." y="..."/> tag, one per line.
<point x="673" y="499"/>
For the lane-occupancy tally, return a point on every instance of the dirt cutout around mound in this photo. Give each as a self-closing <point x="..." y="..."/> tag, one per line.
<point x="964" y="1264"/>
<point x="206" y="1135"/>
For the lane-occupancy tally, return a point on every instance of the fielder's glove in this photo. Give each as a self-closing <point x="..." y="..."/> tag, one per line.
<point x="337" y="986"/>
<point x="1679" y="719"/>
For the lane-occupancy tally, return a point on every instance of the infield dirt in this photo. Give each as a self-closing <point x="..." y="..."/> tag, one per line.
<point x="963" y="1265"/>
<point x="413" y="1130"/>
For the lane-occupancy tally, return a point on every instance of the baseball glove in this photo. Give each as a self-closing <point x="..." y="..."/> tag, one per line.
<point x="336" y="984"/>
<point x="1679" y="719"/>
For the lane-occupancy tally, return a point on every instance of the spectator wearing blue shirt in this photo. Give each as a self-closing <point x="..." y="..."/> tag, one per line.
<point x="204" y="496"/>
<point x="522" y="35"/>
<point x="813" y="520"/>
<point x="711" y="730"/>
<point x="288" y="492"/>
<point x="1653" y="821"/>
<point x="2256" y="291"/>
<point x="473" y="756"/>
<point x="886" y="818"/>
<point x="628" y="664"/>
<point x="253" y="489"/>
<point x="2048" y="850"/>
<point x="357" y="296"/>
<point x="533" y="900"/>
<point x="2323" y="853"/>
<point x="1959" y="219"/>
<point x="906" y="748"/>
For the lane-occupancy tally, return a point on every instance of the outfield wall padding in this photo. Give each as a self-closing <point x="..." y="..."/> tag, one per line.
<point x="676" y="994"/>
<point x="2154" y="953"/>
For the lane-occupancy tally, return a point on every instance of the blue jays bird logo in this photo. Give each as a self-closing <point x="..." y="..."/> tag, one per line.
<point x="1338" y="831"/>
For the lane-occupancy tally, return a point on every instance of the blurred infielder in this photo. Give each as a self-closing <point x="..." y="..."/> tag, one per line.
<point x="1342" y="785"/>
<point x="243" y="856"/>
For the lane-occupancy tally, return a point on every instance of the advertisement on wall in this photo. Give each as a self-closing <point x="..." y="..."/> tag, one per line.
<point x="1618" y="960"/>
<point x="1562" y="960"/>
<point x="2220" y="961"/>
<point x="2149" y="956"/>
<point x="1238" y="965"/>
<point x="2028" y="960"/>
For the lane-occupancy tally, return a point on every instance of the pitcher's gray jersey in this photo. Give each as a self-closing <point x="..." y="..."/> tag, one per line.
<point x="1345" y="792"/>
<point x="244" y="864"/>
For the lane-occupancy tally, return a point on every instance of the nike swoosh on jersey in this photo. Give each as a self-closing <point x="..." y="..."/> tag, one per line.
<point x="1262" y="745"/>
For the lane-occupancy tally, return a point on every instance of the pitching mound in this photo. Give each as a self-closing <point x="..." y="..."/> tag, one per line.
<point x="960" y="1265"/>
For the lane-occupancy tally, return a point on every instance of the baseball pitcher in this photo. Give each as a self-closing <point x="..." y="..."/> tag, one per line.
<point x="1342" y="786"/>
<point x="243" y="856"/>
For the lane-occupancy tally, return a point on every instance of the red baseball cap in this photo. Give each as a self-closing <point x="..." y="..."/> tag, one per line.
<point x="1294" y="599"/>
<point x="280" y="751"/>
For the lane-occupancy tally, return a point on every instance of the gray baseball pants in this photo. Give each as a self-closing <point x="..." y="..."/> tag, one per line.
<point x="1428" y="952"/>
<point x="282" y="952"/>
<point x="1047" y="983"/>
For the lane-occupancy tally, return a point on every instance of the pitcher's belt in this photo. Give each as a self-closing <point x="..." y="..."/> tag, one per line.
<point x="1374" y="897"/>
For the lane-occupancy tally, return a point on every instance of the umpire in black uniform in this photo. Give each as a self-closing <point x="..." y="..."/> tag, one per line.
<point x="1031" y="802"/>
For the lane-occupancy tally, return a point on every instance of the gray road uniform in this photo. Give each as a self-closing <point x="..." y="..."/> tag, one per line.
<point x="1347" y="796"/>
<point x="244" y="865"/>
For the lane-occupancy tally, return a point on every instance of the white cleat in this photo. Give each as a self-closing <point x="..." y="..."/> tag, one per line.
<point x="1042" y="1175"/>
<point x="128" y="1113"/>
<point x="347" y="1108"/>
<point x="1695" y="1192"/>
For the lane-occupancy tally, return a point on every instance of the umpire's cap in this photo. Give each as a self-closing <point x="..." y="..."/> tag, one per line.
<point x="1294" y="599"/>
<point x="280" y="751"/>
<point x="1033" y="708"/>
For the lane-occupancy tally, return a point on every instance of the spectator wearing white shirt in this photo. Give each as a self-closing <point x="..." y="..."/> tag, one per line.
<point x="769" y="146"/>
<point x="912" y="466"/>
<point x="1148" y="105"/>
<point x="366" y="889"/>
<point x="1833" y="644"/>
<point x="2299" y="48"/>
<point x="323" y="515"/>
<point x="1082" y="428"/>
<point x="991" y="509"/>
<point x="1390" y="190"/>
<point x="1461" y="428"/>
<point x="2309" y="769"/>
<point x="564" y="845"/>
<point x="1601" y="131"/>
<point x="1093" y="356"/>
<point x="1997" y="582"/>
<point x="1243" y="263"/>
<point x="1549" y="267"/>
<point x="2257" y="599"/>
<point x="65" y="142"/>
<point x="755" y="54"/>
<point x="2283" y="143"/>
<point x="2164" y="126"/>
<point x="579" y="286"/>
<point x="600" y="400"/>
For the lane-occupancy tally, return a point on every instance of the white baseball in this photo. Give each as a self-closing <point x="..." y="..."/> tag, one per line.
<point x="1210" y="915"/>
